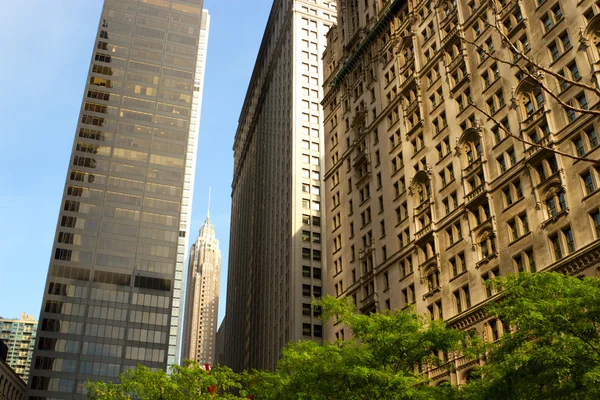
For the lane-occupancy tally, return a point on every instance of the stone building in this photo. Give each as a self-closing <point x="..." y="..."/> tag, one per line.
<point x="12" y="387"/>
<point x="276" y="249"/>
<point x="426" y="195"/>
<point x="202" y="297"/>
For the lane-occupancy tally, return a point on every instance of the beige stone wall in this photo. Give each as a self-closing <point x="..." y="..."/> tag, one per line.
<point x="426" y="197"/>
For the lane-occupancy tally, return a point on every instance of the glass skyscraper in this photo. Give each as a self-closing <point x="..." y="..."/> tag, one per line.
<point x="114" y="287"/>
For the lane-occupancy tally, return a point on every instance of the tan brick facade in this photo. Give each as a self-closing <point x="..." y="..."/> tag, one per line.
<point x="426" y="197"/>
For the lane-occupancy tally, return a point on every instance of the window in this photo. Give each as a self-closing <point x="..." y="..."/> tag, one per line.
<point x="574" y="71"/>
<point x="306" y="271"/>
<point x="588" y="182"/>
<point x="316" y="255"/>
<point x="523" y="44"/>
<point x="525" y="261"/>
<point x="546" y="168"/>
<point x="433" y="280"/>
<point x="408" y="295"/>
<point x="318" y="331"/>
<point x="306" y="309"/>
<point x="458" y="264"/>
<point x="435" y="310"/>
<point x="306" y="219"/>
<point x="316" y="237"/>
<point x="306" y="329"/>
<point x="306" y="236"/>
<point x="595" y="217"/>
<point x="305" y="254"/>
<point x="462" y="299"/>
<point x="552" y="17"/>
<point x="499" y="132"/>
<point x="493" y="273"/>
<point x="562" y="242"/>
<point x="555" y="203"/>
<point x="518" y="226"/>
<point x="454" y="233"/>
<point x="487" y="246"/>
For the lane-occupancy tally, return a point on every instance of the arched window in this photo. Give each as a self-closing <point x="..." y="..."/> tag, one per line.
<point x="424" y="191"/>
<point x="530" y="97"/>
<point x="591" y="37"/>
<point x="468" y="376"/>
<point x="487" y="244"/>
<point x="555" y="201"/>
<point x="433" y="279"/>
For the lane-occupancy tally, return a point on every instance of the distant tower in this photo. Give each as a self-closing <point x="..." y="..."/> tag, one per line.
<point x="202" y="296"/>
<point x="19" y="336"/>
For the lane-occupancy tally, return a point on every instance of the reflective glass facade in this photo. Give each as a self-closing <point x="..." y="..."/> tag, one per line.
<point x="113" y="293"/>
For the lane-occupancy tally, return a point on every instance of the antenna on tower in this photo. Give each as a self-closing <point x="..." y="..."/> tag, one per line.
<point x="208" y="211"/>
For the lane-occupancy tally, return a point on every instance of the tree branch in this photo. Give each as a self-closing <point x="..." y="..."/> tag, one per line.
<point x="537" y="79"/>
<point x="527" y="142"/>
<point x="516" y="50"/>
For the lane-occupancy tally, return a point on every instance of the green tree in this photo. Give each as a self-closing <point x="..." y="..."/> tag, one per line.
<point x="553" y="351"/>
<point x="191" y="381"/>
<point x="381" y="361"/>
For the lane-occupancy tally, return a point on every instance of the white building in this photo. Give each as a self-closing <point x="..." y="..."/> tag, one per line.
<point x="275" y="255"/>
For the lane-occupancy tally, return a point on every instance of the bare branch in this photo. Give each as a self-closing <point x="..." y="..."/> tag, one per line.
<point x="527" y="142"/>
<point x="537" y="79"/>
<point x="516" y="50"/>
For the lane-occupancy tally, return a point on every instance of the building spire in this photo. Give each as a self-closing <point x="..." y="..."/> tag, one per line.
<point x="208" y="211"/>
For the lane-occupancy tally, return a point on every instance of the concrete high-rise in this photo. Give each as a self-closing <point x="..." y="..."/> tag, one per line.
<point x="275" y="258"/>
<point x="12" y="387"/>
<point x="428" y="194"/>
<point x="19" y="336"/>
<point x="113" y="293"/>
<point x="202" y="297"/>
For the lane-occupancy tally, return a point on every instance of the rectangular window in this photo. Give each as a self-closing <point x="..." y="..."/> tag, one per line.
<point x="569" y="240"/>
<point x="595" y="216"/>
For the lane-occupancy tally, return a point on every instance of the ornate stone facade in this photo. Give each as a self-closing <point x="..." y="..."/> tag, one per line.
<point x="428" y="195"/>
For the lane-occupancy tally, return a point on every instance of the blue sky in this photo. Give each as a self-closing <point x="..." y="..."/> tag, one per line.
<point x="47" y="47"/>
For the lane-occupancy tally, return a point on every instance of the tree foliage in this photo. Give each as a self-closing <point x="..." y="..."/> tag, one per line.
<point x="381" y="361"/>
<point x="190" y="381"/>
<point x="553" y="351"/>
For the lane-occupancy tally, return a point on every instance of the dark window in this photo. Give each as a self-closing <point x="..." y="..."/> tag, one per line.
<point x="318" y="330"/>
<point x="146" y="282"/>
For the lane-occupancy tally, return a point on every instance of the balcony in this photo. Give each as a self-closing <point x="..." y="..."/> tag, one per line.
<point x="476" y="192"/>
<point x="552" y="219"/>
<point x="456" y="62"/>
<point x="366" y="251"/>
<point x="369" y="303"/>
<point x="412" y="107"/>
<point x="448" y="17"/>
<point x="424" y="231"/>
<point x="453" y="34"/>
<point x="424" y="206"/>
<point x="360" y="156"/>
<point x="476" y="163"/>
<point x="487" y="259"/>
<point x="408" y="82"/>
<point x="531" y="151"/>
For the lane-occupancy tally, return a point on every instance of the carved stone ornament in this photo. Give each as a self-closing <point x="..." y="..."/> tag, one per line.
<point x="583" y="39"/>
<point x="458" y="150"/>
<point x="514" y="99"/>
<point x="551" y="192"/>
